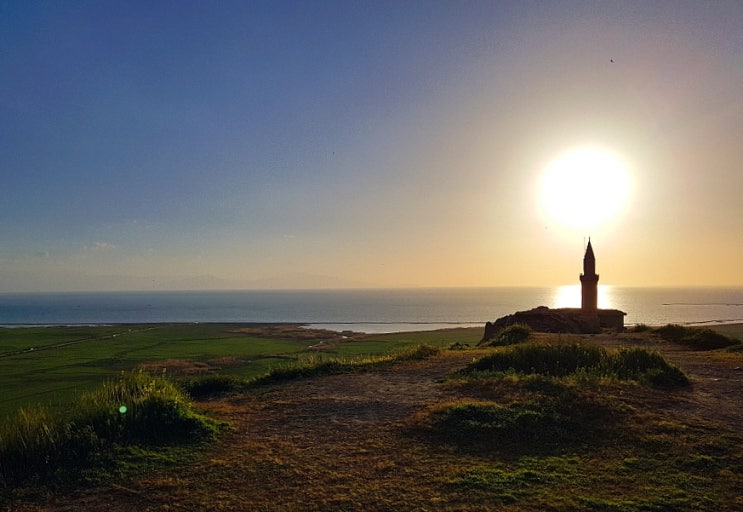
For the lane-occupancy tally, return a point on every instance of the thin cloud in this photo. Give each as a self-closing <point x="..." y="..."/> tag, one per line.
<point x="101" y="247"/>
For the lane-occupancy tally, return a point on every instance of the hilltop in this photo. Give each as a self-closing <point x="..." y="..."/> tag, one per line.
<point x="364" y="440"/>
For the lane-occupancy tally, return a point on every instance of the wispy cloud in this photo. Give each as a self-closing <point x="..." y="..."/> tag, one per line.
<point x="101" y="247"/>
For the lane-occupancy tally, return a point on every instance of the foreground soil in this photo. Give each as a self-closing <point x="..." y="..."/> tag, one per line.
<point x="342" y="443"/>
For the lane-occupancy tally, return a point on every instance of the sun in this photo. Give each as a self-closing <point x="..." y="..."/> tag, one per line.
<point x="584" y="188"/>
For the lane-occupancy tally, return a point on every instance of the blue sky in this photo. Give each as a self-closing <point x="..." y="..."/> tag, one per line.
<point x="157" y="145"/>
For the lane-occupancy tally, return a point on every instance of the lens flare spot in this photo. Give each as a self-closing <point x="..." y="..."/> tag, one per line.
<point x="123" y="409"/>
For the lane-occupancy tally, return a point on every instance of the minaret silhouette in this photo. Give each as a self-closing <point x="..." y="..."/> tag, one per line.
<point x="589" y="281"/>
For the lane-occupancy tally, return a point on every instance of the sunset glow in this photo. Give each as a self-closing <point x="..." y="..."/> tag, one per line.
<point x="333" y="144"/>
<point x="585" y="188"/>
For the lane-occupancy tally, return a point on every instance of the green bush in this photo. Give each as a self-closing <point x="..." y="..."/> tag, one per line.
<point x="695" y="337"/>
<point x="137" y="408"/>
<point x="140" y="407"/>
<point x="512" y="335"/>
<point x="568" y="359"/>
<point x="541" y="422"/>
<point x="554" y="360"/>
<point x="210" y="385"/>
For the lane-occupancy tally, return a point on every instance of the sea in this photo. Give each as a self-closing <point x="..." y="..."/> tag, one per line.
<point x="369" y="310"/>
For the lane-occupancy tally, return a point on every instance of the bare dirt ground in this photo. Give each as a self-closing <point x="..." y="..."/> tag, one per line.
<point x="337" y="442"/>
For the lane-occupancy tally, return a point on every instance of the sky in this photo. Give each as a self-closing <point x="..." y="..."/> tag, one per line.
<point x="154" y="145"/>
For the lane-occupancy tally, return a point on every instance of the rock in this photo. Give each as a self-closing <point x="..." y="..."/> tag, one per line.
<point x="564" y="320"/>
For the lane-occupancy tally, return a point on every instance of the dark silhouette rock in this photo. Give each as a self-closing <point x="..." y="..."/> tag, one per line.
<point x="563" y="320"/>
<point x="587" y="319"/>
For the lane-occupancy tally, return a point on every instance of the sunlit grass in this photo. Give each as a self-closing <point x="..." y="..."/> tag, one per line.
<point x="307" y="366"/>
<point x="560" y="360"/>
<point x="41" y="445"/>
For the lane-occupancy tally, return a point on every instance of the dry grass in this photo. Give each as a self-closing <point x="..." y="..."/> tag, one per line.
<point x="188" y="367"/>
<point x="363" y="441"/>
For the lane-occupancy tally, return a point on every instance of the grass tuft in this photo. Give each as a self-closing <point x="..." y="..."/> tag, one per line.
<point x="37" y="445"/>
<point x="316" y="365"/>
<point x="512" y="335"/>
<point x="695" y="337"/>
<point x="562" y="360"/>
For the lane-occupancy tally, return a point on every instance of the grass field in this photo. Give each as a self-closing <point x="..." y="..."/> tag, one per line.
<point x="621" y="422"/>
<point x="53" y="365"/>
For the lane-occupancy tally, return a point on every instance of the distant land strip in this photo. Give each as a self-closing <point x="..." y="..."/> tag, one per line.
<point x="402" y="322"/>
<point x="702" y="304"/>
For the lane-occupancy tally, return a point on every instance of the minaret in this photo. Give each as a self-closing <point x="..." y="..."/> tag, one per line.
<point x="589" y="281"/>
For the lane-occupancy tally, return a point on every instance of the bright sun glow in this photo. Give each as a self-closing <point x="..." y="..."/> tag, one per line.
<point x="568" y="296"/>
<point x="585" y="188"/>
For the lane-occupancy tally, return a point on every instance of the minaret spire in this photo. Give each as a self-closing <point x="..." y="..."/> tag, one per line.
<point x="589" y="281"/>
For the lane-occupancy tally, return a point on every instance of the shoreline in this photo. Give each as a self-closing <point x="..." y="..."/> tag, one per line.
<point x="375" y="327"/>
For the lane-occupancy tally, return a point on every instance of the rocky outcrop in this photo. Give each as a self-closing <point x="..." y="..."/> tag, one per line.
<point x="565" y="320"/>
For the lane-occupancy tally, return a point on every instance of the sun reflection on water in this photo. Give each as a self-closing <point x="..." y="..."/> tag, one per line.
<point x="568" y="296"/>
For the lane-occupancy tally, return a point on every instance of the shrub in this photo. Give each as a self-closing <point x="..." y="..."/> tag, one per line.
<point x="531" y="424"/>
<point x="640" y="328"/>
<point x="695" y="337"/>
<point x="417" y="353"/>
<point x="210" y="385"/>
<point x="140" y="407"/>
<point x="37" y="444"/>
<point x="554" y="360"/>
<point x="567" y="359"/>
<point x="512" y="335"/>
<point x="644" y="365"/>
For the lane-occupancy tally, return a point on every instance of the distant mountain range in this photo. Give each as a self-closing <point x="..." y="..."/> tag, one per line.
<point x="16" y="282"/>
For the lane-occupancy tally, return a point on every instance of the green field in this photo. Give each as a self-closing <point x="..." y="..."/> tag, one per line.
<point x="53" y="365"/>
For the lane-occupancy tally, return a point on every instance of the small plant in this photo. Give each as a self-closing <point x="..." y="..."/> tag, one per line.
<point x="695" y="337"/>
<point x="512" y="335"/>
<point x="640" y="328"/>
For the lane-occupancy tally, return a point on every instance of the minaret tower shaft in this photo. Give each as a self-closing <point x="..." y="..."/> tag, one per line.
<point x="589" y="281"/>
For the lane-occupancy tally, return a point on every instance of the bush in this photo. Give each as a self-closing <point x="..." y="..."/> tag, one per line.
<point x="553" y="360"/>
<point x="37" y="444"/>
<point x="640" y="328"/>
<point x="140" y="407"/>
<point x="209" y="385"/>
<point x="644" y="365"/>
<point x="695" y="337"/>
<point x="567" y="359"/>
<point x="512" y="335"/>
<point x="528" y="424"/>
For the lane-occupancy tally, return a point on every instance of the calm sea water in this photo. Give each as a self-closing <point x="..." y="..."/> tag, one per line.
<point x="365" y="310"/>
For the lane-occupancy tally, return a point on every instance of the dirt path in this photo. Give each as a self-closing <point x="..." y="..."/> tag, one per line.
<point x="717" y="382"/>
<point x="335" y="443"/>
<point x="306" y="445"/>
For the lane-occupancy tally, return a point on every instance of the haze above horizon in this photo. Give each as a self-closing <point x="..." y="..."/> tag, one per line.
<point x="331" y="144"/>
